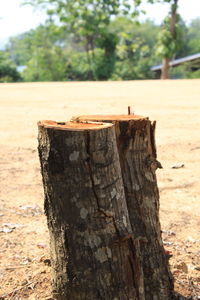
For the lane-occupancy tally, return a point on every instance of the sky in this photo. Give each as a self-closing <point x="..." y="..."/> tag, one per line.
<point x="16" y="19"/>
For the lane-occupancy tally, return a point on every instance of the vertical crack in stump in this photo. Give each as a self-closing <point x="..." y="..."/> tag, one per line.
<point x="106" y="215"/>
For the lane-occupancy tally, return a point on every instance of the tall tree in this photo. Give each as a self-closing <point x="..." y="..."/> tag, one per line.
<point x="89" y="20"/>
<point x="171" y="45"/>
<point x="169" y="38"/>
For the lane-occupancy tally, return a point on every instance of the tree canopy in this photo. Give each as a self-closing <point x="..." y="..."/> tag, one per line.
<point x="98" y="40"/>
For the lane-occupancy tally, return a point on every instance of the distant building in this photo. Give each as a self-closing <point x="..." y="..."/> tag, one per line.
<point x="192" y="62"/>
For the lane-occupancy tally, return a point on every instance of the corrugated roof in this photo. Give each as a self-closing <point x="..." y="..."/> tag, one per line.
<point x="178" y="61"/>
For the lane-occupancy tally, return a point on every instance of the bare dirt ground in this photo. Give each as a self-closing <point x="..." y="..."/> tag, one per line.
<point x="24" y="248"/>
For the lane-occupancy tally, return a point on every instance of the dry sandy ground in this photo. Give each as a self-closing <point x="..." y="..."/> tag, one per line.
<point x="24" y="250"/>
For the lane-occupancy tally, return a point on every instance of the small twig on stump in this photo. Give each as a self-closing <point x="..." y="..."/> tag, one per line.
<point x="130" y="112"/>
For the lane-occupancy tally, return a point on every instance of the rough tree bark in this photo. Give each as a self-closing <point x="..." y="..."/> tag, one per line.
<point x="138" y="158"/>
<point x="94" y="254"/>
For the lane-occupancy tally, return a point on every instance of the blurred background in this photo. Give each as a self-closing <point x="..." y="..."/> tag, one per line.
<point x="80" y="40"/>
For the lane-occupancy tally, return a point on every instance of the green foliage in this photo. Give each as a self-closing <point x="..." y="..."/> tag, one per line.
<point x="184" y="71"/>
<point x="78" y="67"/>
<point x="126" y="71"/>
<point x="50" y="54"/>
<point x="106" y="63"/>
<point x="131" y="60"/>
<point x="193" y="75"/>
<point x="168" y="45"/>
<point x="44" y="60"/>
<point x="193" y="36"/>
<point x="134" y="50"/>
<point x="179" y="72"/>
<point x="89" y="21"/>
<point x="45" y="65"/>
<point x="19" y="47"/>
<point x="97" y="40"/>
<point x="8" y="72"/>
<point x="183" y="50"/>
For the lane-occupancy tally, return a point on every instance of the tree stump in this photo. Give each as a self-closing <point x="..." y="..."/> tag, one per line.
<point x="138" y="159"/>
<point x="93" y="252"/>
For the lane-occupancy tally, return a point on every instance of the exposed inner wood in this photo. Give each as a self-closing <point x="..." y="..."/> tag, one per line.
<point x="73" y="125"/>
<point x="109" y="118"/>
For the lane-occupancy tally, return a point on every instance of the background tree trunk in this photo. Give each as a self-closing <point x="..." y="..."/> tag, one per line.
<point x="165" y="68"/>
<point x="137" y="151"/>
<point x="172" y="29"/>
<point x="93" y="252"/>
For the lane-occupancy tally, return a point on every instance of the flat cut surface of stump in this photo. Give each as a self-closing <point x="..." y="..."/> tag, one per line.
<point x="73" y="126"/>
<point x="109" y="117"/>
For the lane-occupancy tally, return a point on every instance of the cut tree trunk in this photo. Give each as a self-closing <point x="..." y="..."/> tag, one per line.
<point x="94" y="254"/>
<point x="138" y="159"/>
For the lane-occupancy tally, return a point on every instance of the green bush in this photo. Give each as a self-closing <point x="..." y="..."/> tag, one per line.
<point x="89" y="66"/>
<point x="8" y="73"/>
<point x="194" y="74"/>
<point x="184" y="71"/>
